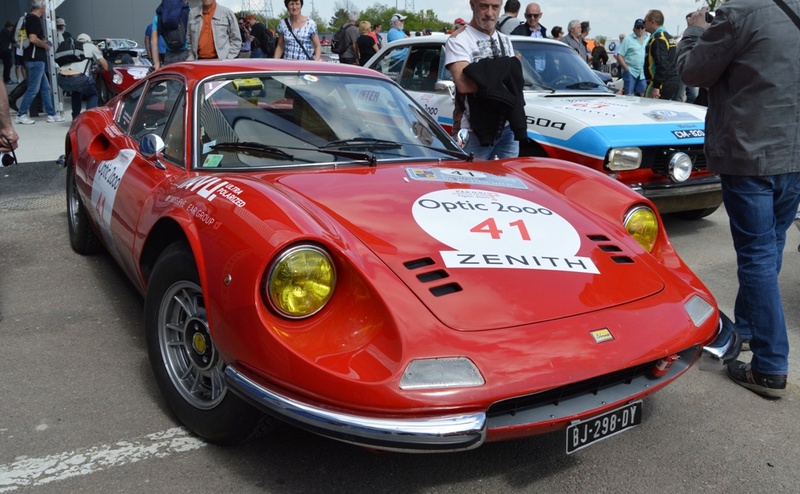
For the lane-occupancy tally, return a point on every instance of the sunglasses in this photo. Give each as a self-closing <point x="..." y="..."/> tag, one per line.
<point x="532" y="16"/>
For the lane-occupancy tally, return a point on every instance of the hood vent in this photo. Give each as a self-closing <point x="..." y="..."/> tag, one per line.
<point x="433" y="277"/>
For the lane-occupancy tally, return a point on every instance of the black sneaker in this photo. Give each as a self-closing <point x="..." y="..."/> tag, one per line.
<point x="768" y="386"/>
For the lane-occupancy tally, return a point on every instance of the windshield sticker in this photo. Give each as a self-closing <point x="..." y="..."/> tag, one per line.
<point x="492" y="230"/>
<point x="105" y="185"/>
<point x="212" y="161"/>
<point x="689" y="133"/>
<point x="670" y="116"/>
<point x="457" y="176"/>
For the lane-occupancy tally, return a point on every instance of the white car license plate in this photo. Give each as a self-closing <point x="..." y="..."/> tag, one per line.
<point x="586" y="432"/>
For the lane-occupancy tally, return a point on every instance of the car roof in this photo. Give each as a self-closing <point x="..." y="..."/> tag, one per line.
<point x="200" y="69"/>
<point x="442" y="38"/>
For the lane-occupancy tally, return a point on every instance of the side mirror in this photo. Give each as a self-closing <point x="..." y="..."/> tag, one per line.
<point x="449" y="86"/>
<point x="152" y="146"/>
<point x="462" y="138"/>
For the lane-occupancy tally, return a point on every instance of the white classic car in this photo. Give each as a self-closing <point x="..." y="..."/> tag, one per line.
<point x="653" y="146"/>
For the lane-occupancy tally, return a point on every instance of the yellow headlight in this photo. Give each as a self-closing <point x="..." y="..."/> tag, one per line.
<point x="301" y="281"/>
<point x="642" y="223"/>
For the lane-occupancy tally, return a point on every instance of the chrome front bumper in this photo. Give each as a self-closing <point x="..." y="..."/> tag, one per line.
<point x="425" y="434"/>
<point x="428" y="435"/>
<point x="725" y="347"/>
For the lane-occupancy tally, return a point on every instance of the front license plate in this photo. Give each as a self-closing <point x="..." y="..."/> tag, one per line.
<point x="584" y="433"/>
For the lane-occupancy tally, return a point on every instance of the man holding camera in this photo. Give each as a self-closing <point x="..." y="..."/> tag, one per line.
<point x="752" y="141"/>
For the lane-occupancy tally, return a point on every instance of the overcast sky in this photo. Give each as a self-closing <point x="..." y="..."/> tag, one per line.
<point x="607" y="17"/>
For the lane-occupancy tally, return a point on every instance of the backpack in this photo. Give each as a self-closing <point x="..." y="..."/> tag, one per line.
<point x="173" y="19"/>
<point x="338" y="44"/>
<point x="69" y="51"/>
<point x="22" y="34"/>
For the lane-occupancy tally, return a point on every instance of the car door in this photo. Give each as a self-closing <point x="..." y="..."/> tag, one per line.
<point x="420" y="70"/>
<point x="124" y="181"/>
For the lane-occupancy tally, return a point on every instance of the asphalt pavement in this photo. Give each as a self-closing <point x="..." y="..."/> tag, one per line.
<point x="80" y="410"/>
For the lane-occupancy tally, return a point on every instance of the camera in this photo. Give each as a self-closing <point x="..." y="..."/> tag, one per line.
<point x="6" y="159"/>
<point x="709" y="16"/>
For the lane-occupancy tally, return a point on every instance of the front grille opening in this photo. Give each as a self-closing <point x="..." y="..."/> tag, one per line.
<point x="610" y="248"/>
<point x="598" y="238"/>
<point x="555" y="396"/>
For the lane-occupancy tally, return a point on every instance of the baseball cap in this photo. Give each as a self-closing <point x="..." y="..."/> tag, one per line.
<point x="460" y="21"/>
<point x="60" y="21"/>
<point x="84" y="38"/>
<point x="638" y="23"/>
<point x="397" y="17"/>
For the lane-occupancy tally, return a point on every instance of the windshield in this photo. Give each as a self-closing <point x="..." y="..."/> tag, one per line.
<point x="310" y="119"/>
<point x="555" y="66"/>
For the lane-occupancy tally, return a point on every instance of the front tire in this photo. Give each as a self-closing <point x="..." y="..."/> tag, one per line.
<point x="183" y="357"/>
<point x="81" y="236"/>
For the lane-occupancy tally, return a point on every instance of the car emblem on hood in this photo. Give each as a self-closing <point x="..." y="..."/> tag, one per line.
<point x="601" y="335"/>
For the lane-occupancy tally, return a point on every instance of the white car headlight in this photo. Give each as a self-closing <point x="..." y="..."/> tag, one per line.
<point x="620" y="159"/>
<point x="434" y="373"/>
<point x="680" y="167"/>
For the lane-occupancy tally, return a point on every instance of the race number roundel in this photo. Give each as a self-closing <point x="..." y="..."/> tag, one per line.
<point x="495" y="230"/>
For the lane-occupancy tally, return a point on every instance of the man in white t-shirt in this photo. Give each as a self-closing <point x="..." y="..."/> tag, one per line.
<point x="476" y="41"/>
<point x="76" y="78"/>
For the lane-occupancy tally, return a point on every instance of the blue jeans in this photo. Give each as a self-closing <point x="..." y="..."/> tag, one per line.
<point x="37" y="83"/>
<point x="760" y="210"/>
<point x="81" y="86"/>
<point x="504" y="147"/>
<point x="632" y="85"/>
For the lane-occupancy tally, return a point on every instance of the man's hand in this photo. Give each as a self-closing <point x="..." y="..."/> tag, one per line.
<point x="655" y="93"/>
<point x="8" y="140"/>
<point x="698" y="18"/>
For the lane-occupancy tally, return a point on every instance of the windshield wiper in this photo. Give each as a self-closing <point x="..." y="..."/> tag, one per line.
<point x="583" y="85"/>
<point x="369" y="143"/>
<point x="253" y="148"/>
<point x="542" y="86"/>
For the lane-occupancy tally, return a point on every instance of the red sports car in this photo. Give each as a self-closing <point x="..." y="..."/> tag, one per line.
<point x="312" y="245"/>
<point x="127" y="64"/>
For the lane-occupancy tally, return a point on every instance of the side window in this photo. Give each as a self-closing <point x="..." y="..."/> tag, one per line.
<point x="159" y="100"/>
<point x="125" y="116"/>
<point x="392" y="62"/>
<point x="174" y="137"/>
<point x="422" y="68"/>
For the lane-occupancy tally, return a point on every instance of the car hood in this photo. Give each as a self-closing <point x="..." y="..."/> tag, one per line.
<point x="483" y="250"/>
<point x="591" y="123"/>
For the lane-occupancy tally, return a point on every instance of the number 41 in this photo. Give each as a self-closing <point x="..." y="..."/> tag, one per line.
<point x="490" y="226"/>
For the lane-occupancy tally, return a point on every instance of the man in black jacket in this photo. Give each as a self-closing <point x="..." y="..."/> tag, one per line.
<point x="659" y="62"/>
<point x="744" y="58"/>
<point x="531" y="26"/>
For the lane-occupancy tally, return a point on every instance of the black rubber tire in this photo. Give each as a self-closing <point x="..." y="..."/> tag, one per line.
<point x="694" y="214"/>
<point x="81" y="236"/>
<point x="615" y="70"/>
<point x="185" y="363"/>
